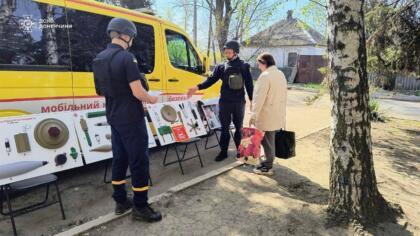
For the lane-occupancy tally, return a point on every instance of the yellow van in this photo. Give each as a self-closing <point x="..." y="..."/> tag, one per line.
<point x="47" y="47"/>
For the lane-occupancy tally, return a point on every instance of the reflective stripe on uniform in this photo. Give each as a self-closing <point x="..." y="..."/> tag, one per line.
<point x="141" y="189"/>
<point x="119" y="182"/>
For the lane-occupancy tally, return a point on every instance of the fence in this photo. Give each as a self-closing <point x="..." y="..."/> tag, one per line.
<point x="255" y="72"/>
<point x="399" y="82"/>
<point x="407" y="83"/>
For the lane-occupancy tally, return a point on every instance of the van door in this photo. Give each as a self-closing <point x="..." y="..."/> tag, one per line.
<point x="88" y="37"/>
<point x="35" y="72"/>
<point x="147" y="48"/>
<point x="183" y="67"/>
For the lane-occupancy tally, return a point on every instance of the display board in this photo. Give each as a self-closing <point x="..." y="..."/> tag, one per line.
<point x="211" y="112"/>
<point x="176" y="121"/>
<point x="35" y="145"/>
<point x="193" y="122"/>
<point x="94" y="134"/>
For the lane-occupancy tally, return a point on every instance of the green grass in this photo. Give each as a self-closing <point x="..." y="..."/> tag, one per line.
<point x="315" y="86"/>
<point x="417" y="93"/>
<point x="374" y="105"/>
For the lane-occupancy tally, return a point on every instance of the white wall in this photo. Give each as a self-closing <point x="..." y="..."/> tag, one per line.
<point x="280" y="54"/>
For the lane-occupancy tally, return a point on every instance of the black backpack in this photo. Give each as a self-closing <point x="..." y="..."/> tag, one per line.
<point x="234" y="77"/>
<point x="103" y="77"/>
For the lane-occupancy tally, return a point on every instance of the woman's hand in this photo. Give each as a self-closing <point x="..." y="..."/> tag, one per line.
<point x="251" y="122"/>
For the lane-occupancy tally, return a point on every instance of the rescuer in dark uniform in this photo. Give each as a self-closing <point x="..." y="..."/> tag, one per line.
<point x="236" y="76"/>
<point x="117" y="77"/>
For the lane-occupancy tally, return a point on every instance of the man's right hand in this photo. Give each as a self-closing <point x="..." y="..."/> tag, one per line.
<point x="153" y="99"/>
<point x="192" y="91"/>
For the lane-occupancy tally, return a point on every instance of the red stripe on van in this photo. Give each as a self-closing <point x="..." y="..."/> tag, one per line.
<point x="45" y="98"/>
<point x="114" y="10"/>
<point x="180" y="94"/>
<point x="71" y="97"/>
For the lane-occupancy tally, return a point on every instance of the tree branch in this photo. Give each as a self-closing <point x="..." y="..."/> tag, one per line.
<point x="191" y="5"/>
<point x="318" y="3"/>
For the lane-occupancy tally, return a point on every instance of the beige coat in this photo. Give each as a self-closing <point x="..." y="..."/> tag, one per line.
<point x="269" y="100"/>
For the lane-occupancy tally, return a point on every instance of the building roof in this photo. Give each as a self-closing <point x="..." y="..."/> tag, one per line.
<point x="287" y="32"/>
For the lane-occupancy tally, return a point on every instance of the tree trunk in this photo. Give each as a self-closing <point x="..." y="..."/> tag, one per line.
<point x="186" y="8"/>
<point x="214" y="52"/>
<point x="49" y="34"/>
<point x="195" y="23"/>
<point x="223" y="14"/>
<point x="210" y="28"/>
<point x="6" y="10"/>
<point x="354" y="195"/>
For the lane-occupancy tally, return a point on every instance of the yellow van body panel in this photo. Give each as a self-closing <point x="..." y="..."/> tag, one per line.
<point x="21" y="91"/>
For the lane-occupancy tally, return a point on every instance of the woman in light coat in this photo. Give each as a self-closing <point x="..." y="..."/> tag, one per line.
<point x="269" y="108"/>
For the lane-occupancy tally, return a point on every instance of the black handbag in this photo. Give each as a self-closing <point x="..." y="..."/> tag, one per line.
<point x="285" y="144"/>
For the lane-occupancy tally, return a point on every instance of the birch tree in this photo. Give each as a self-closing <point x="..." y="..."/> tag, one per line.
<point x="49" y="35"/>
<point x="354" y="195"/>
<point x="6" y="9"/>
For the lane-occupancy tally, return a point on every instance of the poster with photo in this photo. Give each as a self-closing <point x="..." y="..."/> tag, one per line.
<point x="211" y="112"/>
<point x="94" y="134"/>
<point x="36" y="145"/>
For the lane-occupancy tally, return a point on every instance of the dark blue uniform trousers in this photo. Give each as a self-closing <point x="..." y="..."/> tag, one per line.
<point x="228" y="112"/>
<point x="130" y="149"/>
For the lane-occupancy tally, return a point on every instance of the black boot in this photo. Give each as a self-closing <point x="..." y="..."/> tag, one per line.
<point x="121" y="208"/>
<point x="146" y="214"/>
<point x="222" y="155"/>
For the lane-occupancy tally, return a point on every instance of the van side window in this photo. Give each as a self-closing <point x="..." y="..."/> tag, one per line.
<point x="144" y="47"/>
<point x="33" y="36"/>
<point x="88" y="37"/>
<point x="181" y="53"/>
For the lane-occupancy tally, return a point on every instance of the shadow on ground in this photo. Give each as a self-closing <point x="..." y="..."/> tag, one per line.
<point x="242" y="203"/>
<point x="238" y="202"/>
<point x="288" y="203"/>
<point x="401" y="150"/>
<point x="86" y="196"/>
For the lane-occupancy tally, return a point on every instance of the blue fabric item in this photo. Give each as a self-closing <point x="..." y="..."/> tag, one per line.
<point x="130" y="149"/>
<point x="121" y="107"/>
<point x="229" y="112"/>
